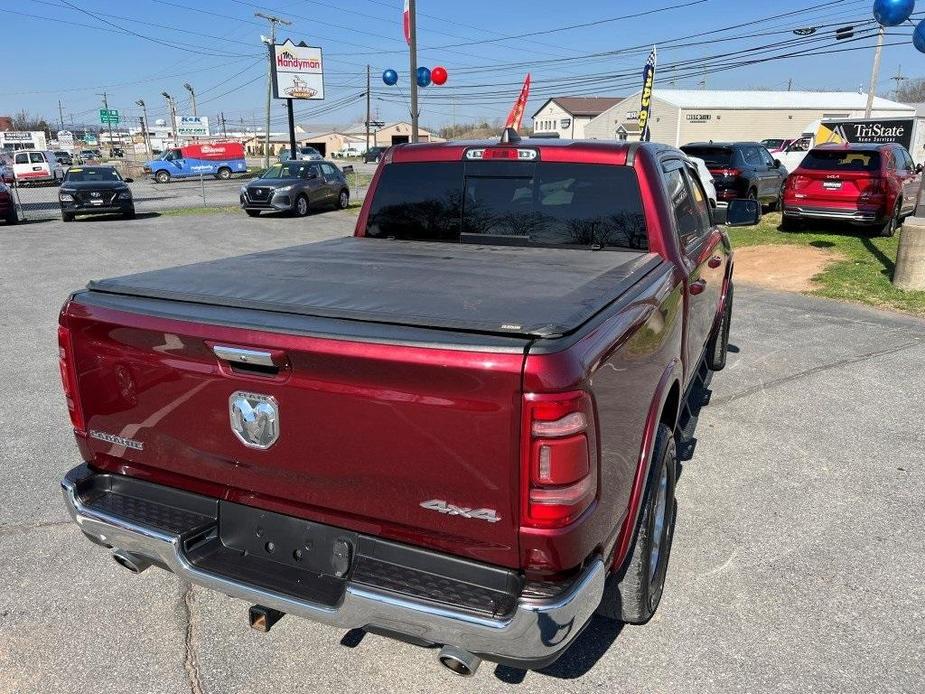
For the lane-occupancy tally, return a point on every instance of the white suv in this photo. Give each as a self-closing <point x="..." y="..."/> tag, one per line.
<point x="36" y="165"/>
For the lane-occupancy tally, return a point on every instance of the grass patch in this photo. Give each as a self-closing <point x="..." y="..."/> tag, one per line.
<point x="185" y="211"/>
<point x="865" y="275"/>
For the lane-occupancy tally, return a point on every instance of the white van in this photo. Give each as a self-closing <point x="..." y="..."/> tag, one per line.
<point x="36" y="165"/>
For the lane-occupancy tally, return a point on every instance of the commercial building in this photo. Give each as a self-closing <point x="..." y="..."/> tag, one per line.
<point x="22" y="139"/>
<point x="680" y="116"/>
<point x="568" y="115"/>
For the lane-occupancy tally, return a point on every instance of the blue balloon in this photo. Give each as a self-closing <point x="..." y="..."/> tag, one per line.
<point x="918" y="37"/>
<point x="891" y="13"/>
<point x="423" y="76"/>
<point x="390" y="77"/>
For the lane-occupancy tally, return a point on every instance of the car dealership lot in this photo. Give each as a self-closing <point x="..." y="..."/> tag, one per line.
<point x="41" y="201"/>
<point x="797" y="559"/>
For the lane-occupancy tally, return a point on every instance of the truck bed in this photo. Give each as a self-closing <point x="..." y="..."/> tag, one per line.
<point x="514" y="291"/>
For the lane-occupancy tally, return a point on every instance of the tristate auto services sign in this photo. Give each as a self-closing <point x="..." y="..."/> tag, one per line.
<point x="297" y="71"/>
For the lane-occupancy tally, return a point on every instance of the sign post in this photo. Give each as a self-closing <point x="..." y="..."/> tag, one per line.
<point x="297" y="74"/>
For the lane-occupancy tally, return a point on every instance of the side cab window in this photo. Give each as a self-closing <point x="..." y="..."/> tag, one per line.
<point x="691" y="208"/>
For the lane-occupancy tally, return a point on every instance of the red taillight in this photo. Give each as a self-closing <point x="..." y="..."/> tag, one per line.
<point x="559" y="459"/>
<point x="69" y="377"/>
<point x="727" y="173"/>
<point x="500" y="153"/>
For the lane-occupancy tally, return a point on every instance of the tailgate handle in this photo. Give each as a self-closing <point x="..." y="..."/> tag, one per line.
<point x="247" y="357"/>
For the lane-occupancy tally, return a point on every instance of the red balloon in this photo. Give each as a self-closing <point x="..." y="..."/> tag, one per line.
<point x="438" y="75"/>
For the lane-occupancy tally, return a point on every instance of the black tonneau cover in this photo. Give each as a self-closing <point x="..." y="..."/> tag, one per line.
<point x="536" y="292"/>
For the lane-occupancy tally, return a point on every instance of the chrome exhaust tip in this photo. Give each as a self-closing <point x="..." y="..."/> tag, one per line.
<point x="461" y="662"/>
<point x="130" y="561"/>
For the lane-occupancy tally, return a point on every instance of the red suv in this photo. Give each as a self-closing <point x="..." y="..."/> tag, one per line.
<point x="872" y="185"/>
<point x="7" y="204"/>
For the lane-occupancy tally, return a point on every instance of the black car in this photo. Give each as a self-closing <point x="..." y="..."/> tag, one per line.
<point x="89" y="190"/>
<point x="116" y="152"/>
<point x="297" y="187"/>
<point x="741" y="170"/>
<point x="373" y="154"/>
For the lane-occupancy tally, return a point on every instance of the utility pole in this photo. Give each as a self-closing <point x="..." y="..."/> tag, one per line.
<point x="789" y="84"/>
<point x="144" y="127"/>
<point x="60" y="114"/>
<point x="109" y="120"/>
<point x="899" y="79"/>
<point x="368" y="116"/>
<point x="875" y="72"/>
<point x="224" y="130"/>
<point x="413" y="64"/>
<point x="270" y="43"/>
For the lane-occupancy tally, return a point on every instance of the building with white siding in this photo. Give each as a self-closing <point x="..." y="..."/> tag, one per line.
<point x="568" y="115"/>
<point x="680" y="116"/>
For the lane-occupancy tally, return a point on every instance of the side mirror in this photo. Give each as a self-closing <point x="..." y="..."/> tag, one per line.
<point x="312" y="174"/>
<point x="743" y="213"/>
<point x="777" y="163"/>
<point x="129" y="180"/>
<point x="919" y="168"/>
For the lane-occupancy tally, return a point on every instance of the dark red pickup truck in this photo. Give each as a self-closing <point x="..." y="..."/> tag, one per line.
<point x="455" y="428"/>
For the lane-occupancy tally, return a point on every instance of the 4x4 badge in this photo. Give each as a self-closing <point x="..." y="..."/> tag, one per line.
<point x="440" y="506"/>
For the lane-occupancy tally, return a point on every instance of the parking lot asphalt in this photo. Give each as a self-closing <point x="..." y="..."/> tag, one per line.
<point x="797" y="562"/>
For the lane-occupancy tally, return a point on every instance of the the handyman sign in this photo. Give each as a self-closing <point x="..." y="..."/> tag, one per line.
<point x="297" y="71"/>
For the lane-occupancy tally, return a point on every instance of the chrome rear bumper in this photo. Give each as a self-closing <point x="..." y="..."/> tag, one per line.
<point x="854" y="216"/>
<point x="533" y="635"/>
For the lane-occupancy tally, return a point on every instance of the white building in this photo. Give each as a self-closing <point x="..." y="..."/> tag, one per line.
<point x="680" y="116"/>
<point x="22" y="139"/>
<point x="568" y="115"/>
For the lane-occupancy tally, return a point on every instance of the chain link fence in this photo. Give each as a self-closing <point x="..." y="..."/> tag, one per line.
<point x="39" y="200"/>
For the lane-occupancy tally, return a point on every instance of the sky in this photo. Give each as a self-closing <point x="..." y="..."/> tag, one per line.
<point x="73" y="50"/>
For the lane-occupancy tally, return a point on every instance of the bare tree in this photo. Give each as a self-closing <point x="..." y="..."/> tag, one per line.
<point x="912" y="91"/>
<point x="24" y="120"/>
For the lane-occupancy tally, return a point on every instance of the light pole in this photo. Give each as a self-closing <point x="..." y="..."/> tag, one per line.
<point x="173" y="116"/>
<point x="875" y="72"/>
<point x="144" y="127"/>
<point x="192" y="94"/>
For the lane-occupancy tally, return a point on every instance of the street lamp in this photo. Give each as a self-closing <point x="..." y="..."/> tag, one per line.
<point x="173" y="116"/>
<point x="192" y="95"/>
<point x="144" y="127"/>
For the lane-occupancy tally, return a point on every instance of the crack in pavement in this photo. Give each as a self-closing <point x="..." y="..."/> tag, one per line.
<point x="816" y="369"/>
<point x="24" y="528"/>
<point x="190" y="661"/>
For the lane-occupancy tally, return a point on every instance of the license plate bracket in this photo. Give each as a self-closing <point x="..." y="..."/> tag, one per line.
<point x="286" y="540"/>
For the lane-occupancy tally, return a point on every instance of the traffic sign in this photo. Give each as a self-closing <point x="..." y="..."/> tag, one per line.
<point x="109" y="116"/>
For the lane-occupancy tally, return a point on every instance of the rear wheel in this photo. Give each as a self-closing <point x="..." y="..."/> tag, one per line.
<point x="301" y="206"/>
<point x="162" y="177"/>
<point x="789" y="223"/>
<point x="343" y="199"/>
<point x="892" y="224"/>
<point x="633" y="595"/>
<point x="224" y="173"/>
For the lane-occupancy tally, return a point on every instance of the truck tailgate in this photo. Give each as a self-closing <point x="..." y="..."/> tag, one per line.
<point x="368" y="432"/>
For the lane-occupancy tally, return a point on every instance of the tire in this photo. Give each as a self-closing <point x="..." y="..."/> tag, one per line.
<point x="343" y="200"/>
<point x="301" y="207"/>
<point x="717" y="347"/>
<point x="162" y="177"/>
<point x="67" y="217"/>
<point x="788" y="223"/>
<point x="776" y="205"/>
<point x="224" y="173"/>
<point x="130" y="214"/>
<point x="892" y="224"/>
<point x="753" y="195"/>
<point x="632" y="595"/>
<point x="12" y="217"/>
<point x="253" y="213"/>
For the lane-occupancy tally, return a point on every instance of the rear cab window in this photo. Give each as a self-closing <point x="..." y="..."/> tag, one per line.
<point x="841" y="160"/>
<point x="510" y="203"/>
